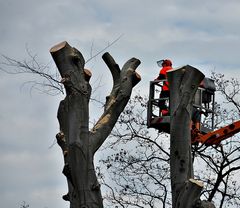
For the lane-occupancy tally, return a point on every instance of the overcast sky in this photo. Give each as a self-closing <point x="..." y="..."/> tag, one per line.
<point x="204" y="34"/>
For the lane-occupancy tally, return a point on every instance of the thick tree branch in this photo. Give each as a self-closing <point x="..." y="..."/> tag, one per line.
<point x="70" y="63"/>
<point x="123" y="83"/>
<point x="114" y="68"/>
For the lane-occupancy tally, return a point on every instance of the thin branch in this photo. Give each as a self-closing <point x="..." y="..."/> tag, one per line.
<point x="101" y="51"/>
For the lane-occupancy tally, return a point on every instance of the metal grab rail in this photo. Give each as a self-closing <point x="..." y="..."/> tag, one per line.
<point x="205" y="105"/>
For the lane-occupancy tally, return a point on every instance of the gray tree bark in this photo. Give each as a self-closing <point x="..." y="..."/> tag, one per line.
<point x="78" y="143"/>
<point x="183" y="83"/>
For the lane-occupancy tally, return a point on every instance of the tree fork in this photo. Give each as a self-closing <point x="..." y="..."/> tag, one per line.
<point x="76" y="141"/>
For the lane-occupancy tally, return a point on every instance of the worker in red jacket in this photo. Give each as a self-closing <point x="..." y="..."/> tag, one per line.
<point x="166" y="65"/>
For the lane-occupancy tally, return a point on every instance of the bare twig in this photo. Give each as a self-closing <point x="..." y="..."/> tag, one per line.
<point x="101" y="51"/>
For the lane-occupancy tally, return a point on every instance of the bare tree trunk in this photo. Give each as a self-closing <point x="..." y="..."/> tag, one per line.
<point x="186" y="191"/>
<point x="76" y="140"/>
<point x="183" y="84"/>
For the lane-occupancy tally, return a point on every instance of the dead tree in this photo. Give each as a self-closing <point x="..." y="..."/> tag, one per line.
<point x="186" y="191"/>
<point x="78" y="143"/>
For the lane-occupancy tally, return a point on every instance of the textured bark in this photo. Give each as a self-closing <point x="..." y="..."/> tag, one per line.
<point x="205" y="204"/>
<point x="123" y="82"/>
<point x="189" y="196"/>
<point x="78" y="143"/>
<point x="183" y="84"/>
<point x="191" y="190"/>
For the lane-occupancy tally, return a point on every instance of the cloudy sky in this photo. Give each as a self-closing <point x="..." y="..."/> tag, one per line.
<point x="204" y="34"/>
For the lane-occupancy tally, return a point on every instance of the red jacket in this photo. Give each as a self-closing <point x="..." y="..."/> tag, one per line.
<point x="163" y="75"/>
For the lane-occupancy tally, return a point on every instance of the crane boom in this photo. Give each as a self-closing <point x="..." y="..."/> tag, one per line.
<point x="215" y="137"/>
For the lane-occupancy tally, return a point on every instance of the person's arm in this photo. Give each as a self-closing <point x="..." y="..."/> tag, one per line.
<point x="160" y="77"/>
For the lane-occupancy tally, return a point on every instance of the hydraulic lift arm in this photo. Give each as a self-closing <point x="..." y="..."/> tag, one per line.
<point x="215" y="137"/>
